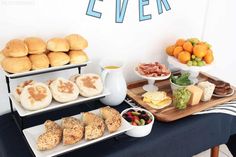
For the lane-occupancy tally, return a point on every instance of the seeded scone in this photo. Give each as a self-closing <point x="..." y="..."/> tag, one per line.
<point x="73" y="130"/>
<point x="112" y="118"/>
<point x="95" y="126"/>
<point x="51" y="138"/>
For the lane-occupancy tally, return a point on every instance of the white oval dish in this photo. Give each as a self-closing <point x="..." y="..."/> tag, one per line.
<point x="139" y="131"/>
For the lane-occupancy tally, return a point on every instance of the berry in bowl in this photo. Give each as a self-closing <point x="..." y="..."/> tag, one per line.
<point x="141" y="120"/>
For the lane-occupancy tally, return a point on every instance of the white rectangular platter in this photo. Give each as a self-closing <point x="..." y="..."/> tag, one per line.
<point x="40" y="71"/>
<point x="33" y="133"/>
<point x="54" y="105"/>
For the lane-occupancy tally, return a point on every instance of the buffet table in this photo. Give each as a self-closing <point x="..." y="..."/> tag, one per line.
<point x="182" y="138"/>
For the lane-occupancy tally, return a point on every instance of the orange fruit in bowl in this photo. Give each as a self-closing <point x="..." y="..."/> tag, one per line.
<point x="170" y="50"/>
<point x="204" y="45"/>
<point x="180" y="42"/>
<point x="184" y="57"/>
<point x="177" y="50"/>
<point x="209" y="58"/>
<point x="200" y="50"/>
<point x="188" y="46"/>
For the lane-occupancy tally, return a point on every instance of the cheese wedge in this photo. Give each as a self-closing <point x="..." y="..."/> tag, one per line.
<point x="196" y="94"/>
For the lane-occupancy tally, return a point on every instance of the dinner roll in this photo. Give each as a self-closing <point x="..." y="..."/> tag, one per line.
<point x="36" y="96"/>
<point x="39" y="61"/>
<point x="15" y="48"/>
<point x="18" y="90"/>
<point x="89" y="84"/>
<point x="78" y="57"/>
<point x="16" y="65"/>
<point x="64" y="90"/>
<point x="77" y="42"/>
<point x="95" y="126"/>
<point x="58" y="44"/>
<point x="1" y="56"/>
<point x="35" y="45"/>
<point x="58" y="58"/>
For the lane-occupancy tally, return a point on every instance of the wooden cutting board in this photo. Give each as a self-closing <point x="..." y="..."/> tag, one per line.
<point x="170" y="113"/>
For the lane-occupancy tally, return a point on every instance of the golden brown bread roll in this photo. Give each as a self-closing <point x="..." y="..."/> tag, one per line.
<point x="58" y="45"/>
<point x="15" y="48"/>
<point x="77" y="42"/>
<point x="78" y="57"/>
<point x="35" y="45"/>
<point x="58" y="58"/>
<point x="39" y="61"/>
<point x="16" y="65"/>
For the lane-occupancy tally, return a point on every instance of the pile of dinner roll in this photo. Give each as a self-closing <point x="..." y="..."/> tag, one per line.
<point x="33" y="53"/>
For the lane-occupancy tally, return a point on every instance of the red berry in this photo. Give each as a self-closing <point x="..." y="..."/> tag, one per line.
<point x="133" y="123"/>
<point x="149" y="121"/>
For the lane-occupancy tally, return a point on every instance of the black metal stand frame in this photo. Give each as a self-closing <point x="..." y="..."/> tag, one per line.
<point x="19" y="120"/>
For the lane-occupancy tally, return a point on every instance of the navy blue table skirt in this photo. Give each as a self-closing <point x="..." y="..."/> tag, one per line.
<point x="182" y="138"/>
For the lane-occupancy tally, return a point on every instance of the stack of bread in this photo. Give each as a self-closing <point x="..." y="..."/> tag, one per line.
<point x="73" y="130"/>
<point x="33" y="95"/>
<point x="33" y="53"/>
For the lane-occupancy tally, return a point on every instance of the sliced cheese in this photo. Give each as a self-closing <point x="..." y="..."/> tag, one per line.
<point x="196" y="94"/>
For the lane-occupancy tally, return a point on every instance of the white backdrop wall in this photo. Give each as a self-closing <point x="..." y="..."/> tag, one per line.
<point x="131" y="41"/>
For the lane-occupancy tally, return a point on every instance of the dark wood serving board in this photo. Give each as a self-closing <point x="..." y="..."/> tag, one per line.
<point x="170" y="113"/>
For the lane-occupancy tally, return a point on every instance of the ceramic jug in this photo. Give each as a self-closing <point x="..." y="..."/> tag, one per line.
<point x="114" y="82"/>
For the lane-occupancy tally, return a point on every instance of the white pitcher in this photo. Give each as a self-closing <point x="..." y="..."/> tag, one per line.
<point x="114" y="81"/>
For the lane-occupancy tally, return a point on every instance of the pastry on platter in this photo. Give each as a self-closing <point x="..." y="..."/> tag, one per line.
<point x="73" y="130"/>
<point x="78" y="57"/>
<point x="64" y="90"/>
<point x="89" y="84"/>
<point x="18" y="90"/>
<point x="36" y="96"/>
<point x="15" y="48"/>
<point x="35" y="45"/>
<point x="39" y="61"/>
<point x="76" y="42"/>
<point x="94" y="126"/>
<point x="112" y="118"/>
<point x="51" y="138"/>
<point x="16" y="65"/>
<point x="74" y="77"/>
<point x="58" y="45"/>
<point x="58" y="58"/>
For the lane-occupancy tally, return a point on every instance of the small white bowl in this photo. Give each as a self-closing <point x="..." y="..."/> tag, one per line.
<point x="139" y="131"/>
<point x="174" y="86"/>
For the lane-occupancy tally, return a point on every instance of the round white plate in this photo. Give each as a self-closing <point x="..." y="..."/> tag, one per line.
<point x="227" y="95"/>
<point x="151" y="81"/>
<point x="174" y="62"/>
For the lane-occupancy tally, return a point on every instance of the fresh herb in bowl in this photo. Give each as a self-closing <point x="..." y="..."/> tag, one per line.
<point x="182" y="80"/>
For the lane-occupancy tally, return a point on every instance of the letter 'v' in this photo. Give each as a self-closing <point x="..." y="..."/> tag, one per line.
<point x="121" y="10"/>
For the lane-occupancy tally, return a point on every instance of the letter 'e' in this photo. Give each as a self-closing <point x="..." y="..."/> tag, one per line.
<point x="90" y="10"/>
<point x="143" y="17"/>
<point x="120" y="10"/>
<point x="159" y="6"/>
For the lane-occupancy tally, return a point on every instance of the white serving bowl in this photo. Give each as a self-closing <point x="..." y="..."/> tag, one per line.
<point x="174" y="86"/>
<point x="139" y="131"/>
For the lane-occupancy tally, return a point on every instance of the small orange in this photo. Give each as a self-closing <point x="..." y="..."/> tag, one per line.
<point x="170" y="50"/>
<point x="200" y="51"/>
<point x="188" y="46"/>
<point x="184" y="57"/>
<point x="209" y="58"/>
<point x="180" y="42"/>
<point x="177" y="50"/>
<point x="204" y="44"/>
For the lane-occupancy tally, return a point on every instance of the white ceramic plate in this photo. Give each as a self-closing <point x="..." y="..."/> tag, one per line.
<point x="23" y="112"/>
<point x="152" y="78"/>
<point x="32" y="134"/>
<point x="227" y="95"/>
<point x="173" y="61"/>
<point x="50" y="69"/>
